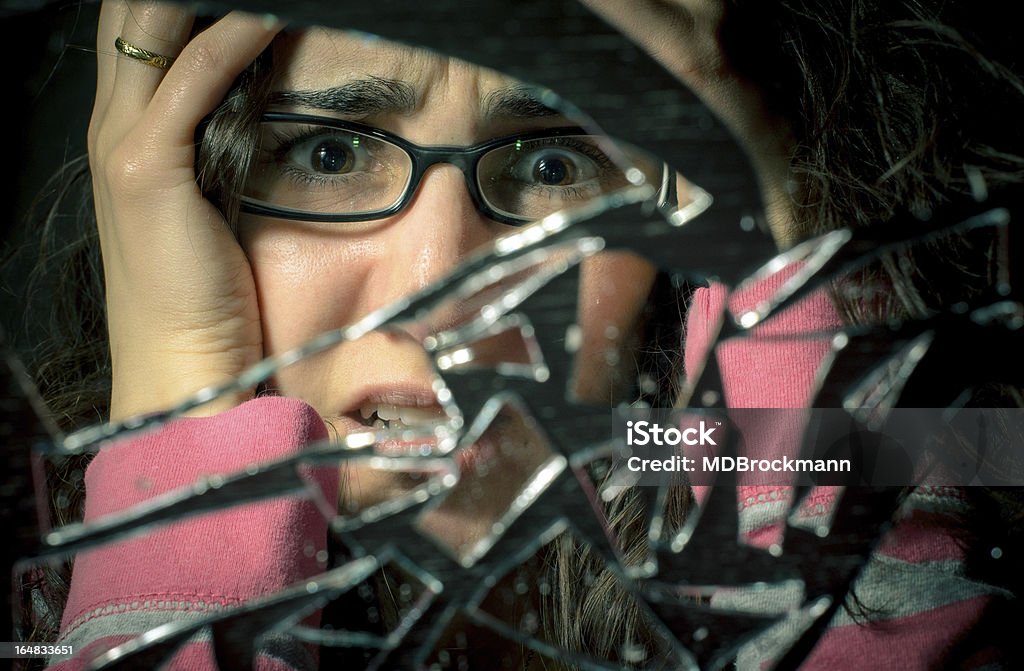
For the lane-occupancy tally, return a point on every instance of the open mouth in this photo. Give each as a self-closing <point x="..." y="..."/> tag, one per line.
<point x="396" y="417"/>
<point x="400" y="431"/>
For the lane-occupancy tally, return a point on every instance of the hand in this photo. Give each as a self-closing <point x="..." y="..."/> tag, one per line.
<point x="181" y="303"/>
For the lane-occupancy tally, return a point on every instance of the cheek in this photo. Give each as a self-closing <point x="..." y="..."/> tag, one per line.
<point x="307" y="281"/>
<point x="614" y="290"/>
<point x="311" y="280"/>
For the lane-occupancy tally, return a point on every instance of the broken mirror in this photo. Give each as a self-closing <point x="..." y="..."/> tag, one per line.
<point x="515" y="361"/>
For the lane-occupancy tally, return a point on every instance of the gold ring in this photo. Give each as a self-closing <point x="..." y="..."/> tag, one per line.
<point x="147" y="57"/>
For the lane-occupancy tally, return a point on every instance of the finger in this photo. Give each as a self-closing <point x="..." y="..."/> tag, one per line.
<point x="203" y="74"/>
<point x="112" y="15"/>
<point x="162" y="28"/>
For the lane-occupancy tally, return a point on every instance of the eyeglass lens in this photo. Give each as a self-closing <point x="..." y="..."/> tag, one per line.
<point x="307" y="168"/>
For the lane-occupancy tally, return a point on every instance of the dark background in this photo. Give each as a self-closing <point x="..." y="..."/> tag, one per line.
<point x="49" y="74"/>
<point x="47" y="56"/>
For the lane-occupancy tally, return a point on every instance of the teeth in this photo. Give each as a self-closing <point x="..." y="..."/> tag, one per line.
<point x="388" y="412"/>
<point x="414" y="416"/>
<point x="384" y="415"/>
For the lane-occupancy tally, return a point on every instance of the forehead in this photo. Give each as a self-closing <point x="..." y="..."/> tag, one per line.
<point x="320" y="58"/>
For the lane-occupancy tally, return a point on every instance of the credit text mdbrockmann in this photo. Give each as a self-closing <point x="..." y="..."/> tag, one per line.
<point x="644" y="433"/>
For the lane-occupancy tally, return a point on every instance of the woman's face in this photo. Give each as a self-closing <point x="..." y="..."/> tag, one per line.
<point x="314" y="277"/>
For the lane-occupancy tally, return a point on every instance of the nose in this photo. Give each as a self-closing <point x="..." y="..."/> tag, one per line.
<point x="438" y="229"/>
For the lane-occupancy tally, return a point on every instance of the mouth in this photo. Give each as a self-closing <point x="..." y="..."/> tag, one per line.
<point x="398" y="425"/>
<point x="403" y="421"/>
<point x="491" y="470"/>
<point x="392" y="417"/>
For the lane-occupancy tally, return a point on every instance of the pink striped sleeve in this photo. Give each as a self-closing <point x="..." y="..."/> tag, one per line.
<point x="922" y="608"/>
<point x="189" y="569"/>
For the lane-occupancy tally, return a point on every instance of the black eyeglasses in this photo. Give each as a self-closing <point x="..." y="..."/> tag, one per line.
<point x="318" y="169"/>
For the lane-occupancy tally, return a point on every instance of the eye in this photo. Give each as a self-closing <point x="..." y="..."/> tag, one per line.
<point x="333" y="154"/>
<point x="554" y="166"/>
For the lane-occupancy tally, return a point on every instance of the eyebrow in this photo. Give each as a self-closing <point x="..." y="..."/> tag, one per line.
<point x="361" y="97"/>
<point x="378" y="95"/>
<point x="517" y="102"/>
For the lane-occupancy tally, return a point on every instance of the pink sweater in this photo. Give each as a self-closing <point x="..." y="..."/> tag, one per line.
<point x="924" y="605"/>
<point x="188" y="569"/>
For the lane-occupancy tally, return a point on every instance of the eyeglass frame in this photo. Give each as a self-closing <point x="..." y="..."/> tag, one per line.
<point x="466" y="159"/>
